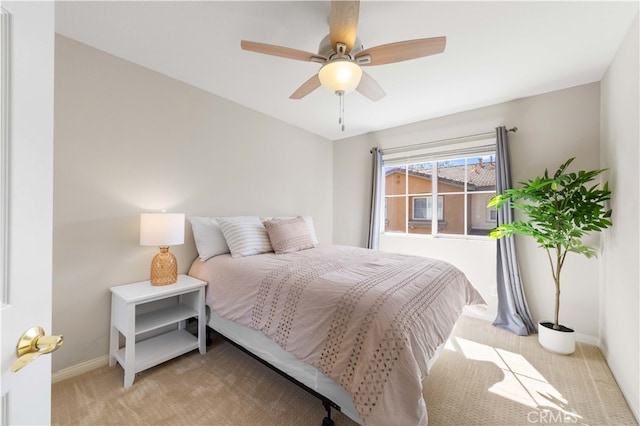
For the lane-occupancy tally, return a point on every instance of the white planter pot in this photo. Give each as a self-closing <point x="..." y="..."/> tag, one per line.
<point x="561" y="341"/>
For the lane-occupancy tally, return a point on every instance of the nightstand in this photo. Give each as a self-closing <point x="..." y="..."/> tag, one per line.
<point x="152" y="320"/>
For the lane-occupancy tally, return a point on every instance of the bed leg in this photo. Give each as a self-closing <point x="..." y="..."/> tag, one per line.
<point x="208" y="333"/>
<point x="327" y="421"/>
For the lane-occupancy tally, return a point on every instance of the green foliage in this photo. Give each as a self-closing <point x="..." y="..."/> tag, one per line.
<point x="561" y="209"/>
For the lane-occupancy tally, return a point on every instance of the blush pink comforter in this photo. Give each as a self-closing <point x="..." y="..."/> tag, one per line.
<point x="368" y="320"/>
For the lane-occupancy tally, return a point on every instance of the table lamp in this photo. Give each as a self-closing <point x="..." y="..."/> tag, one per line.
<point x="162" y="230"/>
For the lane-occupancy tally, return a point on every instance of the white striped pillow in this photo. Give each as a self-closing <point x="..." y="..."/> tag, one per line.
<point x="245" y="235"/>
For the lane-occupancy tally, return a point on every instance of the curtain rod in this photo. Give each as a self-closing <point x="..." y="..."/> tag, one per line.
<point x="401" y="148"/>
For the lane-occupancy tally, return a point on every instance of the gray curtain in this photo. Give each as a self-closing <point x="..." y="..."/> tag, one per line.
<point x="513" y="313"/>
<point x="376" y="197"/>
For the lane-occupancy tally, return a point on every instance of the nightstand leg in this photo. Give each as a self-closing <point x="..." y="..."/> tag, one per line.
<point x="114" y="335"/>
<point x="129" y="367"/>
<point x="129" y="376"/>
<point x="113" y="345"/>
<point x="130" y="348"/>
<point x="202" y="338"/>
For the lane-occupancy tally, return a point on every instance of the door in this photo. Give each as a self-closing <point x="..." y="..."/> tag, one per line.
<point x="26" y="194"/>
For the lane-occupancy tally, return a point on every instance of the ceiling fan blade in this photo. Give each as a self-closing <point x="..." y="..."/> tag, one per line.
<point x="401" y="51"/>
<point x="284" y="52"/>
<point x="370" y="88"/>
<point x="343" y="23"/>
<point x="307" y="87"/>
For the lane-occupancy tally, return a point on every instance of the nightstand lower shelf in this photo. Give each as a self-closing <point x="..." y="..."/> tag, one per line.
<point x="159" y="349"/>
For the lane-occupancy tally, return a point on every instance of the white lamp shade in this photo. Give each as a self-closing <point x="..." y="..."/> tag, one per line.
<point x="340" y="76"/>
<point x="161" y="229"/>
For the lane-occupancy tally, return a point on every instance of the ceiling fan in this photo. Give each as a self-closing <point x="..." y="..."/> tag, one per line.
<point x="342" y="55"/>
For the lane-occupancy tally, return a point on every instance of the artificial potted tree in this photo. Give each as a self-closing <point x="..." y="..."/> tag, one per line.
<point x="560" y="210"/>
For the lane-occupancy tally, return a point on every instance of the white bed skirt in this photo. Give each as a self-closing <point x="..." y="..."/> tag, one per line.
<point x="258" y="344"/>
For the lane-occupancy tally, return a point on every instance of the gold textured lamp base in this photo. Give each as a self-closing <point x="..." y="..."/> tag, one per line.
<point x="164" y="268"/>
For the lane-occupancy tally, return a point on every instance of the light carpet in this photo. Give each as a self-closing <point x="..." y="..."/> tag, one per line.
<point x="485" y="376"/>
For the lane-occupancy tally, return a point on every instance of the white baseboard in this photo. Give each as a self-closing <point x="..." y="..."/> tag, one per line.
<point x="585" y="338"/>
<point x="76" y="370"/>
<point x="582" y="338"/>
<point x="478" y="312"/>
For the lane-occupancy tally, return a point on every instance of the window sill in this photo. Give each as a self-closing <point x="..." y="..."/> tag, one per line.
<point x="437" y="236"/>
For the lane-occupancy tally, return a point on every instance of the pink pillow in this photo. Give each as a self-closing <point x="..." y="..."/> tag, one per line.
<point x="288" y="235"/>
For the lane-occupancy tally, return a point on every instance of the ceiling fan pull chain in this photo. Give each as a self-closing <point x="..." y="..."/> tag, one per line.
<point x="341" y="107"/>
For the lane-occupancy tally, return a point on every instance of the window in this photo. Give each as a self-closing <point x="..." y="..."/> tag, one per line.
<point x="461" y="184"/>
<point x="423" y="208"/>
<point x="492" y="214"/>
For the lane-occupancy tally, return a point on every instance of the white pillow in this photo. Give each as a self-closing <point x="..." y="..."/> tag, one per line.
<point x="208" y="237"/>
<point x="312" y="230"/>
<point x="245" y="235"/>
<point x="307" y="219"/>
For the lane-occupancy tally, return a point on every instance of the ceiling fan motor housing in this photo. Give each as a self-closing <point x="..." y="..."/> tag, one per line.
<point x="326" y="49"/>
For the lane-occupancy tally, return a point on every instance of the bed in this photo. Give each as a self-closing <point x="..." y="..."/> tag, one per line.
<point x="360" y="327"/>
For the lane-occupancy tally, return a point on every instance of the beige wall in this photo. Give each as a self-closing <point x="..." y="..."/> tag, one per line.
<point x="129" y="140"/>
<point x="620" y="277"/>
<point x="552" y="127"/>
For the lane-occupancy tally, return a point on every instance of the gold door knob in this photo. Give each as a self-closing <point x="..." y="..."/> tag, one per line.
<point x="32" y="344"/>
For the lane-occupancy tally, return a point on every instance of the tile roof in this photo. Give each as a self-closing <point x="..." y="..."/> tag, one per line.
<point x="480" y="176"/>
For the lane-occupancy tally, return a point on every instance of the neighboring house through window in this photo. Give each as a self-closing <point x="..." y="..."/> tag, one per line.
<point x="461" y="180"/>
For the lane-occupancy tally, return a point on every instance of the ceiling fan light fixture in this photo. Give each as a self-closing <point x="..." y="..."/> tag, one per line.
<point x="340" y="75"/>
